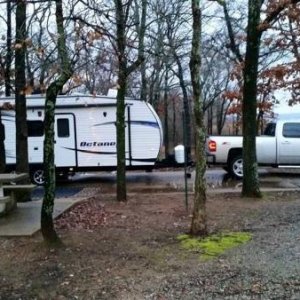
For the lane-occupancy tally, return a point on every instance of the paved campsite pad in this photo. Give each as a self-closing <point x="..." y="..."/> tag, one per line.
<point x="130" y="251"/>
<point x="26" y="219"/>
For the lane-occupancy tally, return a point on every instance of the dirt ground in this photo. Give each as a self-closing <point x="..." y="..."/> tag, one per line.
<point x="130" y="251"/>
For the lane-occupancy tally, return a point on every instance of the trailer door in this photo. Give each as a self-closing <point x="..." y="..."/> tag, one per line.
<point x="65" y="140"/>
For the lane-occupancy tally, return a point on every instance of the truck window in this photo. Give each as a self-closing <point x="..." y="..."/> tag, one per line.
<point x="63" y="129"/>
<point x="291" y="130"/>
<point x="270" y="129"/>
<point x="35" y="128"/>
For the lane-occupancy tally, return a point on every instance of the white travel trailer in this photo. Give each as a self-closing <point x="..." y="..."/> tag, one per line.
<point x="85" y="134"/>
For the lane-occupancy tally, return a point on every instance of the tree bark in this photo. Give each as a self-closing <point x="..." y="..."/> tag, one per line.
<point x="123" y="72"/>
<point x="22" y="165"/>
<point x="198" y="226"/>
<point x="20" y="86"/>
<point x="141" y="28"/>
<point x="47" y="227"/>
<point x="250" y="178"/>
<point x="221" y="116"/>
<point x="144" y="93"/>
<point x="9" y="53"/>
<point x="121" y="155"/>
<point x="7" y="79"/>
<point x="166" y="117"/>
<point x="122" y="80"/>
<point x="186" y="107"/>
<point x="2" y="146"/>
<point x="174" y="122"/>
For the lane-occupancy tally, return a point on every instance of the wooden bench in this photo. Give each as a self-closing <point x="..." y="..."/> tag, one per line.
<point x="13" y="189"/>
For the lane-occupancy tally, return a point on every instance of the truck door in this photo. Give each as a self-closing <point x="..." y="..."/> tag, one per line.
<point x="289" y="144"/>
<point x="65" y="140"/>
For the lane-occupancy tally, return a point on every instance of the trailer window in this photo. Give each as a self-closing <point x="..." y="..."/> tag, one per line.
<point x="291" y="130"/>
<point x="63" y="129"/>
<point x="35" y="128"/>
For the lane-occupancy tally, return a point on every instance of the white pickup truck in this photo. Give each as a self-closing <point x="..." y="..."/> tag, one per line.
<point x="279" y="146"/>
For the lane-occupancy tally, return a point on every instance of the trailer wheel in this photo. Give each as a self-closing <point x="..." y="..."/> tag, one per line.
<point x="38" y="176"/>
<point x="236" y="166"/>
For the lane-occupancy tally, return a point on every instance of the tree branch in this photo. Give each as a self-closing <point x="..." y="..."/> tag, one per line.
<point x="232" y="45"/>
<point x="273" y="15"/>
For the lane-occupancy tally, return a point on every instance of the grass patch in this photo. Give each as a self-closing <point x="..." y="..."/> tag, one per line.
<point x="214" y="245"/>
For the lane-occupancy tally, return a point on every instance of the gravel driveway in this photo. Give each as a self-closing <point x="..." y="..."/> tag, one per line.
<point x="268" y="267"/>
<point x="130" y="251"/>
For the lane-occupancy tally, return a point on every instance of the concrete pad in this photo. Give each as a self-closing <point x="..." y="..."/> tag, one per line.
<point x="26" y="219"/>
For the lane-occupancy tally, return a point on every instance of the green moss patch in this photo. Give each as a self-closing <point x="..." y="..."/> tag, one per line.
<point x="214" y="245"/>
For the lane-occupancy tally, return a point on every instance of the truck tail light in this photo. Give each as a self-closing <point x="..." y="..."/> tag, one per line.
<point x="212" y="146"/>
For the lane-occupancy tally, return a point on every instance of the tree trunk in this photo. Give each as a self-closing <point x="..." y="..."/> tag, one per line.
<point x="7" y="79"/>
<point x="2" y="146"/>
<point x="22" y="165"/>
<point x="186" y="107"/>
<point x="47" y="226"/>
<point x="210" y="120"/>
<point x="122" y="80"/>
<point x="143" y="94"/>
<point x="141" y="30"/>
<point x="221" y="116"/>
<point x="20" y="86"/>
<point x="121" y="12"/>
<point x="198" y="226"/>
<point x="9" y="53"/>
<point x="121" y="155"/>
<point x="53" y="90"/>
<point x="166" y="118"/>
<point x="250" y="178"/>
<point x="174" y="122"/>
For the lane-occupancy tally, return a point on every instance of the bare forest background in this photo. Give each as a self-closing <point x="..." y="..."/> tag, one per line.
<point x="209" y="67"/>
<point x="163" y="78"/>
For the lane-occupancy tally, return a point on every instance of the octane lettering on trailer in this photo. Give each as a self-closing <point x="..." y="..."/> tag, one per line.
<point x="97" y="144"/>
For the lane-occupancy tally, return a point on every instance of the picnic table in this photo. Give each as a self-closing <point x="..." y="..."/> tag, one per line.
<point x="8" y="182"/>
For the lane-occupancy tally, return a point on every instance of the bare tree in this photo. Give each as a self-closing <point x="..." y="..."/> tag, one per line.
<point x="53" y="90"/>
<point x="215" y="68"/>
<point x="177" y="20"/>
<point x="9" y="52"/>
<point x="124" y="69"/>
<point x="7" y="81"/>
<point x="22" y="165"/>
<point x="250" y="180"/>
<point x="258" y="23"/>
<point x="198" y="226"/>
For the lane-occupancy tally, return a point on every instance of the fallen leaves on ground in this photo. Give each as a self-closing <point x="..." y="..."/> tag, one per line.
<point x="86" y="215"/>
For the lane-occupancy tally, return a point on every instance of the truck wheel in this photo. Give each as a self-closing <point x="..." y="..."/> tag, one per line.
<point x="236" y="166"/>
<point x="38" y="176"/>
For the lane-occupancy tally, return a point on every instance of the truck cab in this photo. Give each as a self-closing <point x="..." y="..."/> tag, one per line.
<point x="279" y="146"/>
